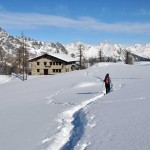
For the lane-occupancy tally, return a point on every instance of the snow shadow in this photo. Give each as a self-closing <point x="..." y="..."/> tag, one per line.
<point x="78" y="130"/>
<point x="88" y="93"/>
<point x="19" y="76"/>
<point x="126" y="78"/>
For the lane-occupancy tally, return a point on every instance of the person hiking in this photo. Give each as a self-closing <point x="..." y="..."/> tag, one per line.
<point x="107" y="83"/>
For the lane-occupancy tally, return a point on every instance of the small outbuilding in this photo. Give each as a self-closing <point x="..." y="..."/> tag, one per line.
<point x="47" y="64"/>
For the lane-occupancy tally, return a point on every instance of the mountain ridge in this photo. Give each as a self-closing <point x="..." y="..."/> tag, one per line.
<point x="10" y="43"/>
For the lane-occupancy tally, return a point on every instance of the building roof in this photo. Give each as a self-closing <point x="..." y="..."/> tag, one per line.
<point x="63" y="57"/>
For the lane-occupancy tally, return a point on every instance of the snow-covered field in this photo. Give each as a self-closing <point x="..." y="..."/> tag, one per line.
<point x="70" y="111"/>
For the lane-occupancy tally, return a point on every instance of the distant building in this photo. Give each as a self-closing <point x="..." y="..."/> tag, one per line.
<point x="51" y="64"/>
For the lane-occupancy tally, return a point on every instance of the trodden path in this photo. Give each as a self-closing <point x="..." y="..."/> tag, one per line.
<point x="71" y="128"/>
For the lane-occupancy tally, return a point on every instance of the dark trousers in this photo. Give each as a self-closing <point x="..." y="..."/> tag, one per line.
<point x="107" y="86"/>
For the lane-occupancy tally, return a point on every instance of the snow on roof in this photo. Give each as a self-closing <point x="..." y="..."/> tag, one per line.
<point x="63" y="57"/>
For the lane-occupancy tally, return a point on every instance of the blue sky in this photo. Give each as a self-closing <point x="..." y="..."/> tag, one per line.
<point x="90" y="21"/>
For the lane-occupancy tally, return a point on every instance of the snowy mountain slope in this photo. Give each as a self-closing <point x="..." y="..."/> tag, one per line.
<point x="116" y="51"/>
<point x="10" y="44"/>
<point x="108" y="50"/>
<point x="70" y="111"/>
<point x="141" y="50"/>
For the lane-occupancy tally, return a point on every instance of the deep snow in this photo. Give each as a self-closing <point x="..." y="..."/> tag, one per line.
<point x="70" y="111"/>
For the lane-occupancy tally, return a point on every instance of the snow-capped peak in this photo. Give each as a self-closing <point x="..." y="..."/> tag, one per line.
<point x="115" y="51"/>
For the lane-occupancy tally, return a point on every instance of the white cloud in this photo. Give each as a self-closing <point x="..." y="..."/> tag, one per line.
<point x="35" y="20"/>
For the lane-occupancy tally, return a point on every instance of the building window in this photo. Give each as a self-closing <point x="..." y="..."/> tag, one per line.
<point x="50" y="63"/>
<point x="59" y="63"/>
<point x="38" y="70"/>
<point x="53" y="63"/>
<point x="45" y="63"/>
<point x="38" y="63"/>
<point x="56" y="70"/>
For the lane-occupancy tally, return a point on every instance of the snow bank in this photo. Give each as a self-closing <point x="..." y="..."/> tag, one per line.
<point x="4" y="79"/>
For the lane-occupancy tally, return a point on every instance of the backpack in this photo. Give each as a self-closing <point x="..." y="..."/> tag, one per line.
<point x="107" y="80"/>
